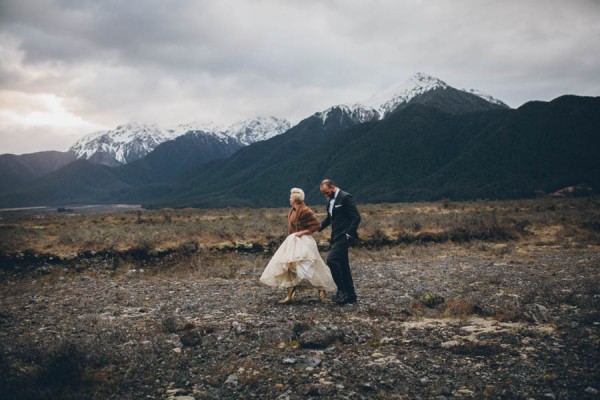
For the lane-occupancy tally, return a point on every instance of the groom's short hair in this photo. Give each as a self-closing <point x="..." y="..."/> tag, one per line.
<point x="328" y="182"/>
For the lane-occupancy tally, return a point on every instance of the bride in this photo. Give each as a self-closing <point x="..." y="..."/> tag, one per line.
<point x="297" y="262"/>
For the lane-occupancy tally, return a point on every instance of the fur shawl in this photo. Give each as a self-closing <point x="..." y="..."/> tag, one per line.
<point x="301" y="217"/>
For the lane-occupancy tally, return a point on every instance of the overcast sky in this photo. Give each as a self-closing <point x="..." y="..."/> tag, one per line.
<point x="71" y="67"/>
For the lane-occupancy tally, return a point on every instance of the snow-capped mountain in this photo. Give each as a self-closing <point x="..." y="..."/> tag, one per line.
<point x="380" y="105"/>
<point x="356" y="113"/>
<point x="132" y="141"/>
<point x="486" y="97"/>
<point x="402" y="93"/>
<point x="125" y="143"/>
<point x="257" y="129"/>
<point x="197" y="126"/>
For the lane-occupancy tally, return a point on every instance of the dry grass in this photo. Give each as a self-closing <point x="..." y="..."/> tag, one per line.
<point x="96" y="327"/>
<point x="460" y="307"/>
<point x="542" y="222"/>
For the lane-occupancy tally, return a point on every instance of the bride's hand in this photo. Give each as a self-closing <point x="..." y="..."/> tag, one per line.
<point x="300" y="234"/>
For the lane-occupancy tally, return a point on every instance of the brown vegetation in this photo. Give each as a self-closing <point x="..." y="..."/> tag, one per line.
<point x="562" y="222"/>
<point x="456" y="300"/>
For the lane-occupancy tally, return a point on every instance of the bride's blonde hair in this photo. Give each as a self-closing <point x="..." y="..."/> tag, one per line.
<point x="297" y="194"/>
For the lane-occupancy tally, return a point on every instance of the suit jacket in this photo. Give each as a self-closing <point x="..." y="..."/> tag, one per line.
<point x="344" y="219"/>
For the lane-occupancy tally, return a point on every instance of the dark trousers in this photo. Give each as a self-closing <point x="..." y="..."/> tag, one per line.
<point x="337" y="260"/>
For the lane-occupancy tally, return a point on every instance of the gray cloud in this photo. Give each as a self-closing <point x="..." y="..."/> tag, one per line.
<point x="167" y="62"/>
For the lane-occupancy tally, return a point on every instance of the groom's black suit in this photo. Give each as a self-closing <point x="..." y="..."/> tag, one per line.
<point x="344" y="220"/>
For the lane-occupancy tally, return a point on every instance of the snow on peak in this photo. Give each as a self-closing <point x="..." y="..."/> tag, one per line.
<point x="486" y="97"/>
<point x="126" y="142"/>
<point x="194" y="126"/>
<point x="131" y="141"/>
<point x="378" y="106"/>
<point x="391" y="98"/>
<point x="257" y="129"/>
<point x="357" y="113"/>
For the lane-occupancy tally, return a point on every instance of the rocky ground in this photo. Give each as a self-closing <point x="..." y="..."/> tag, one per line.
<point x="437" y="321"/>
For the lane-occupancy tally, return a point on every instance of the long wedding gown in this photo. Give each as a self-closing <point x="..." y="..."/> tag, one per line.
<point x="297" y="262"/>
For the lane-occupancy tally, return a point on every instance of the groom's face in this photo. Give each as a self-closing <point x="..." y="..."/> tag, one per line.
<point x="327" y="191"/>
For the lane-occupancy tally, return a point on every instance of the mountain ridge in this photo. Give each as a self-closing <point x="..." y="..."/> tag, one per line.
<point x="133" y="141"/>
<point x="423" y="153"/>
<point x="19" y="169"/>
<point x="441" y="143"/>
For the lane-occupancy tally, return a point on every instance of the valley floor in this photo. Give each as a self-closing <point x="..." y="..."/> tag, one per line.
<point x="479" y="320"/>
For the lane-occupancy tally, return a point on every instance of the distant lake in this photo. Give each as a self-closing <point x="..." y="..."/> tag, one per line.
<point x="72" y="209"/>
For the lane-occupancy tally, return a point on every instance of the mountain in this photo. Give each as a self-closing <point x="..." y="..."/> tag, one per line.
<point x="199" y="144"/>
<point x="176" y="156"/>
<point x="77" y="182"/>
<point x="541" y="147"/>
<point x="354" y="115"/>
<point x="266" y="156"/>
<point x="436" y="143"/>
<point x="125" y="143"/>
<point x="133" y="141"/>
<point x="253" y="161"/>
<point x="83" y="181"/>
<point x="486" y="97"/>
<point x="425" y="89"/>
<point x="252" y="169"/>
<point x="257" y="129"/>
<point x="418" y="152"/>
<point x="16" y="170"/>
<point x="419" y="89"/>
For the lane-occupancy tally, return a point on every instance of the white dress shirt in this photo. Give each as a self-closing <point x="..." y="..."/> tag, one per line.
<point x="332" y="201"/>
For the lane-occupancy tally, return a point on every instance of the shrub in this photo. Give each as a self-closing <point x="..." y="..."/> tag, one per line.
<point x="431" y="299"/>
<point x="461" y="307"/>
<point x="36" y="373"/>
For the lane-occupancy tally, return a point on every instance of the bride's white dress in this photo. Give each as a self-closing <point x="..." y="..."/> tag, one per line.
<point x="297" y="262"/>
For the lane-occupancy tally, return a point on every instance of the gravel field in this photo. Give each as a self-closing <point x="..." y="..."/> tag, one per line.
<point x="432" y="321"/>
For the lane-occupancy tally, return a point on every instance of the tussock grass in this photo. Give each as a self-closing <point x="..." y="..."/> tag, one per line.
<point x="112" y="330"/>
<point x="561" y="222"/>
<point x="63" y="369"/>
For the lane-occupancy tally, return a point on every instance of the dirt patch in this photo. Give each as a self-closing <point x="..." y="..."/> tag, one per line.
<point x="520" y="324"/>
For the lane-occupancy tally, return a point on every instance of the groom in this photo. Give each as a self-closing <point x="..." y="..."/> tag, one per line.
<point x="344" y="218"/>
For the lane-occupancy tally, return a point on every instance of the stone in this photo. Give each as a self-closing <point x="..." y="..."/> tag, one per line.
<point x="368" y="387"/>
<point x="175" y="392"/>
<point x="591" y="390"/>
<point x="313" y="361"/>
<point x="536" y="313"/>
<point x="232" y="380"/>
<point x="172" y="324"/>
<point x="238" y="328"/>
<point x="318" y="338"/>
<point x="191" y="338"/>
<point x="44" y="270"/>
